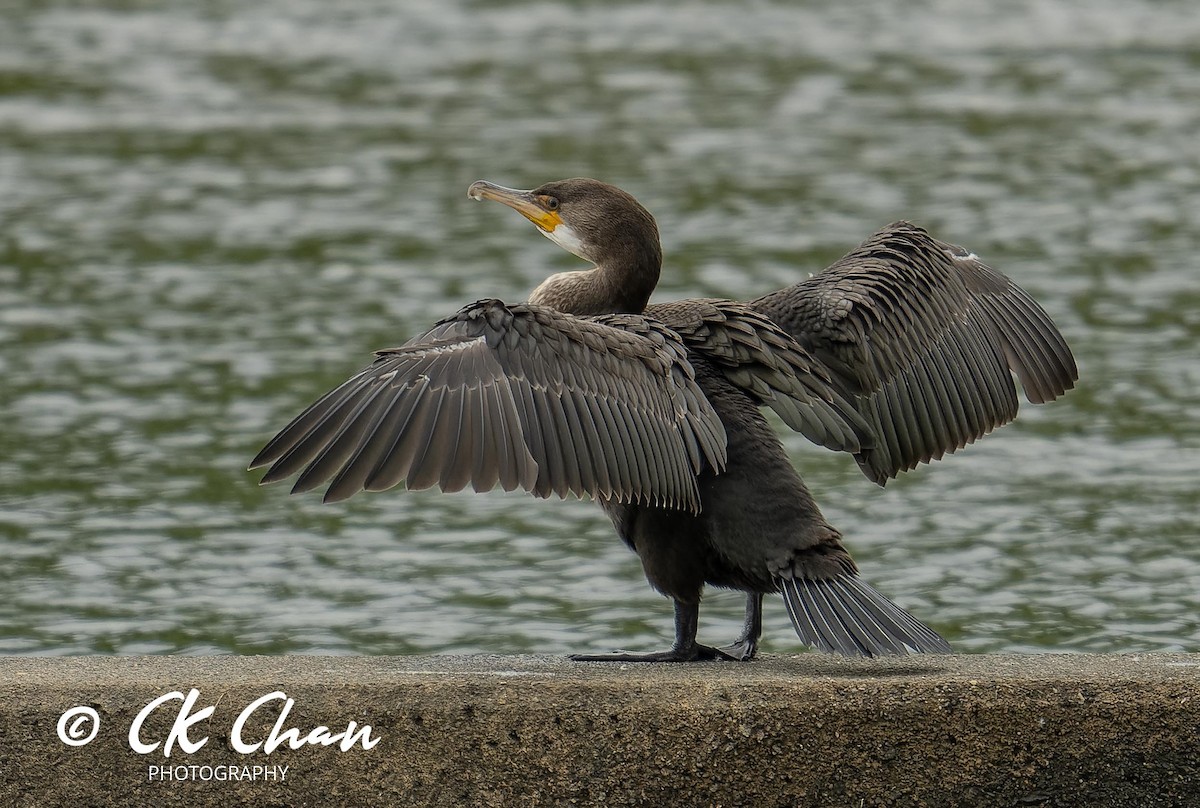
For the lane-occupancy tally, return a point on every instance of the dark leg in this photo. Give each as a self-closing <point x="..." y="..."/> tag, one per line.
<point x="745" y="646"/>
<point x="685" y="649"/>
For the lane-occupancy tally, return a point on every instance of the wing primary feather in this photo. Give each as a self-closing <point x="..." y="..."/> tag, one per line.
<point x="583" y="410"/>
<point x="302" y="424"/>
<point x="341" y="447"/>
<point x="1046" y="367"/>
<point x="994" y="384"/>
<point x="372" y="448"/>
<point x="509" y="438"/>
<point x="949" y="410"/>
<point x="485" y="468"/>
<point x="633" y="442"/>
<point x="968" y="387"/>
<point x="900" y="407"/>
<point x="951" y="380"/>
<point x="655" y="449"/>
<point x="533" y="443"/>
<point x="306" y="440"/>
<point x="455" y="446"/>
<point x="423" y="465"/>
<point x="887" y="442"/>
<point x="675" y="470"/>
<point x="618" y="440"/>
<point x="573" y="464"/>
<point x="923" y="407"/>
<point x="644" y="455"/>
<point x="555" y="474"/>
<point x="395" y="464"/>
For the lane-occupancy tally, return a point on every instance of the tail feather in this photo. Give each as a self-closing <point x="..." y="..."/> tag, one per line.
<point x="845" y="615"/>
<point x="871" y="626"/>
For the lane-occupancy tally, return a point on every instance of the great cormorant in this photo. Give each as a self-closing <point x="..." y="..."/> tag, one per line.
<point x="901" y="351"/>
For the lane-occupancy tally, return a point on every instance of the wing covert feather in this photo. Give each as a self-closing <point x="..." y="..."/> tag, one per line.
<point x="760" y="358"/>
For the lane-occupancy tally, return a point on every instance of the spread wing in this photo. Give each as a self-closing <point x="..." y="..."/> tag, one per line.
<point x="925" y="337"/>
<point x="517" y="396"/>
<point x="757" y="356"/>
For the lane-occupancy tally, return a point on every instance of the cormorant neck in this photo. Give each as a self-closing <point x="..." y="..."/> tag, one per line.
<point x="610" y="288"/>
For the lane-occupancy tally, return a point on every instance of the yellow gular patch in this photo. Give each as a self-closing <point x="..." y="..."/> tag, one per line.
<point x="545" y="219"/>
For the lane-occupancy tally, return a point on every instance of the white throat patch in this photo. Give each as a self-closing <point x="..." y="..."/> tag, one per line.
<point x="566" y="238"/>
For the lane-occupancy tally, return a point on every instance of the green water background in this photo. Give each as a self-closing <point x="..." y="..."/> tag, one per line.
<point x="211" y="212"/>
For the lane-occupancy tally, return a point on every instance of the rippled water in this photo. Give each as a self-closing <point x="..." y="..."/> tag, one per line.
<point x="210" y="213"/>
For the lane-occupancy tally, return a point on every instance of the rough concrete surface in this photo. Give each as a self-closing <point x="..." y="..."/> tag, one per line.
<point x="501" y="731"/>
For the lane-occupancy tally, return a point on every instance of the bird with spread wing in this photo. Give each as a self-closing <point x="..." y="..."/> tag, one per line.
<point x="900" y="352"/>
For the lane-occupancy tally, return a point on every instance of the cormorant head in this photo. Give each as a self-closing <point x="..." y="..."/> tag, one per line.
<point x="591" y="219"/>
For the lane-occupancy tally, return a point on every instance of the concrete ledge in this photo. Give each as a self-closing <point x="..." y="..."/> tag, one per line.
<point x="807" y="730"/>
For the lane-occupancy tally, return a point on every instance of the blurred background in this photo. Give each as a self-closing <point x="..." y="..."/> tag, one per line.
<point x="212" y="212"/>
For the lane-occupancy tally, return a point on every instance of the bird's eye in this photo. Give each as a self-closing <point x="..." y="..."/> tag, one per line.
<point x="550" y="202"/>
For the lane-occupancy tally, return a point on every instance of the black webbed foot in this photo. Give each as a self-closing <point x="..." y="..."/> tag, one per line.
<point x="686" y="649"/>
<point x="741" y="650"/>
